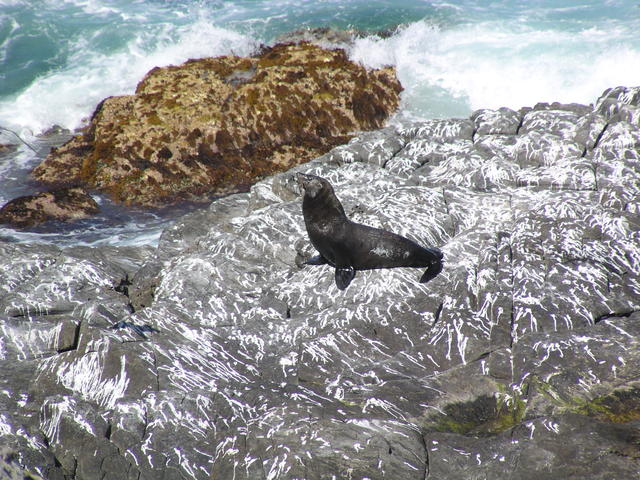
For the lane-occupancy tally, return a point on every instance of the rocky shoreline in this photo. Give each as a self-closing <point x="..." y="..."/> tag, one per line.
<point x="520" y="360"/>
<point x="207" y="128"/>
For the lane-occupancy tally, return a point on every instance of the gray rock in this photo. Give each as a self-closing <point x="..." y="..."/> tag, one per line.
<point x="57" y="306"/>
<point x="11" y="469"/>
<point x="376" y="147"/>
<point x="448" y="129"/>
<point x="576" y="108"/>
<point x="520" y="360"/>
<point x="539" y="447"/>
<point x="600" y="382"/>
<point x="587" y="130"/>
<point x="612" y="99"/>
<point x="503" y="121"/>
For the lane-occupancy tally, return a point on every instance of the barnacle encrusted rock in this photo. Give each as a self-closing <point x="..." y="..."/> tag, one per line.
<point x="65" y="204"/>
<point x="216" y="125"/>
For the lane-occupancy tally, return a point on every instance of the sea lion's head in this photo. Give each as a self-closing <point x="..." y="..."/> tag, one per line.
<point x="312" y="185"/>
<point x="319" y="194"/>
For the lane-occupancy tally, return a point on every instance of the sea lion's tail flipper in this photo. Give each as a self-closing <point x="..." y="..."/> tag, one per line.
<point x="344" y="277"/>
<point x="435" y="267"/>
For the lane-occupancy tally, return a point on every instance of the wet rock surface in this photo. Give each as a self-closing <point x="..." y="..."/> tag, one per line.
<point x="217" y="125"/>
<point x="520" y="360"/>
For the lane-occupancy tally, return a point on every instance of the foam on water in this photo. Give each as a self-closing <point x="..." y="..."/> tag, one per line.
<point x="68" y="96"/>
<point x="116" y="225"/>
<point x="453" y="71"/>
<point x="461" y="56"/>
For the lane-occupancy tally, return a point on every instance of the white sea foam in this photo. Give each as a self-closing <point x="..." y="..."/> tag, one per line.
<point x="12" y="3"/>
<point x="447" y="69"/>
<point x="67" y="97"/>
<point x="451" y="72"/>
<point x="93" y="7"/>
<point x="8" y="38"/>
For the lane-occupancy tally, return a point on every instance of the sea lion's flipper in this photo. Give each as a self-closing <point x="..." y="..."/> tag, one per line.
<point x="316" y="260"/>
<point x="139" y="329"/>
<point x="344" y="277"/>
<point x="435" y="253"/>
<point x="434" y="269"/>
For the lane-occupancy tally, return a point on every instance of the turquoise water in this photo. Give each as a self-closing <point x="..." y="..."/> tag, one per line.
<point x="59" y="58"/>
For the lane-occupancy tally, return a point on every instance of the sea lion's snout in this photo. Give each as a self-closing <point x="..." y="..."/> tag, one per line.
<point x="309" y="184"/>
<point x="304" y="179"/>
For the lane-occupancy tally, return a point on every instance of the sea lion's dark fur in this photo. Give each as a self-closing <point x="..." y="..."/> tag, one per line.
<point x="348" y="246"/>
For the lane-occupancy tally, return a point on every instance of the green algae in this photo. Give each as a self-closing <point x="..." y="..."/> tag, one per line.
<point x="621" y="405"/>
<point x="484" y="416"/>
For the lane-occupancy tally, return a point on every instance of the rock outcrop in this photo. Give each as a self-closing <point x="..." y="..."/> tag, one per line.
<point x="65" y="204"/>
<point x="520" y="360"/>
<point x="216" y="125"/>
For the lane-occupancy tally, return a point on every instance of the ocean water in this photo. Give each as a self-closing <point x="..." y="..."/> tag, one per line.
<point x="59" y="58"/>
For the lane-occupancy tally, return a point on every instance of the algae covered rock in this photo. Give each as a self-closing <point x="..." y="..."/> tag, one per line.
<point x="65" y="204"/>
<point x="216" y="125"/>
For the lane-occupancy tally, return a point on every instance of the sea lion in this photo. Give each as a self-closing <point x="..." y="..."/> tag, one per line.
<point x="348" y="246"/>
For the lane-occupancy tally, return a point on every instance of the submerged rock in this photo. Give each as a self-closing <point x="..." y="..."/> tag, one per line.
<point x="521" y="359"/>
<point x="216" y="125"/>
<point x="65" y="204"/>
<point x="7" y="148"/>
<point x="331" y="37"/>
<point x="323" y="36"/>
